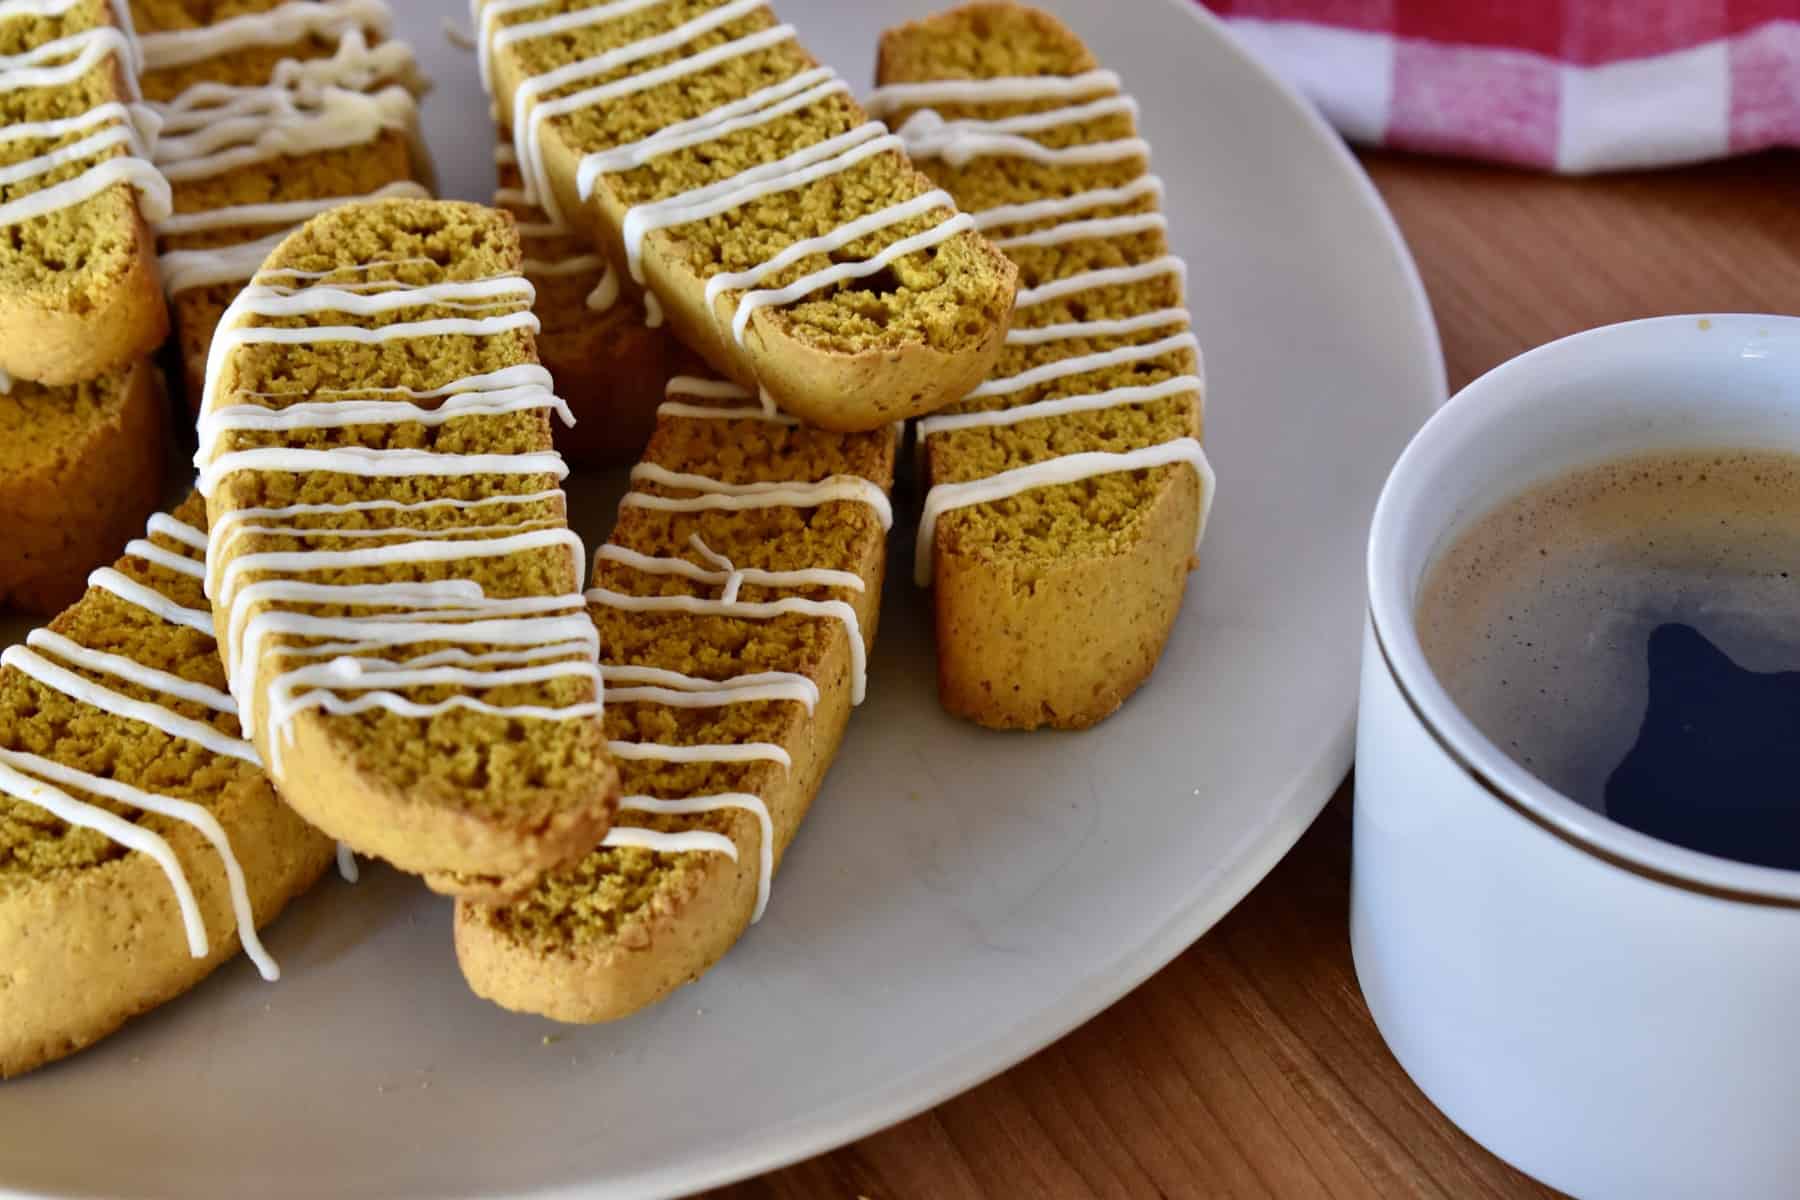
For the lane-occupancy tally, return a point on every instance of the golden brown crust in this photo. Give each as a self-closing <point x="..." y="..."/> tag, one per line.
<point x="86" y="467"/>
<point x="460" y="792"/>
<point x="83" y="952"/>
<point x="1064" y="649"/>
<point x="624" y="927"/>
<point x="91" y="933"/>
<point x="49" y="336"/>
<point x="1053" y="605"/>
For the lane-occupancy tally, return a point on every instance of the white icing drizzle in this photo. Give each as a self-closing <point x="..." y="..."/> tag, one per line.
<point x="131" y="670"/>
<point x="453" y="610"/>
<point x="68" y="809"/>
<point x="1017" y="89"/>
<point x="177" y="531"/>
<point x="23" y="775"/>
<point x="306" y="106"/>
<point x="62" y="62"/>
<point x="279" y="122"/>
<point x="643" y="684"/>
<point x="348" y="871"/>
<point x="705" y="804"/>
<point x="1084" y="281"/>
<point x="709" y="412"/>
<point x="1066" y="469"/>
<point x="1083" y="363"/>
<point x="1075" y="231"/>
<point x="287" y="213"/>
<point x="673" y="689"/>
<point x="928" y="135"/>
<point x="963" y="140"/>
<point x="78" y="687"/>
<point x="534" y="105"/>
<point x="1035" y="335"/>
<point x="181" y="564"/>
<point x="717" y="494"/>
<point x="108" y="579"/>
<point x="1180" y="385"/>
<point x="702" y="752"/>
<point x="289" y="22"/>
<point x="1063" y="206"/>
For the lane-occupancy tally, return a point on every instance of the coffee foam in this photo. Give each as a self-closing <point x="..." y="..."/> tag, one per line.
<point x="1536" y="616"/>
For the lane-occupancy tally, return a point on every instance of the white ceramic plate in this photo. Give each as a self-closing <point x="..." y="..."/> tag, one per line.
<point x="957" y="898"/>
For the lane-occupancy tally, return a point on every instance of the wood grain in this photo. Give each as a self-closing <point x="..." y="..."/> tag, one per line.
<point x="1249" y="1066"/>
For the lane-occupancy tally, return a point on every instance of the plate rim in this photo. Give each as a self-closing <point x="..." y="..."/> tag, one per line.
<point x="1287" y="818"/>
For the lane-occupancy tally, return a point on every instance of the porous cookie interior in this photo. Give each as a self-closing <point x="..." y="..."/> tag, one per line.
<point x="618" y="893"/>
<point x="490" y="764"/>
<point x="1103" y="513"/>
<point x="81" y="248"/>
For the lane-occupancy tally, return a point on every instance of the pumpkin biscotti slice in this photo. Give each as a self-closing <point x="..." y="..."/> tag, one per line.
<point x="786" y="234"/>
<point x="140" y="842"/>
<point x="736" y="604"/>
<point x="273" y="111"/>
<point x="610" y="365"/>
<point x="395" y="587"/>
<point x="78" y="288"/>
<point x="81" y="466"/>
<point x="1068" y="492"/>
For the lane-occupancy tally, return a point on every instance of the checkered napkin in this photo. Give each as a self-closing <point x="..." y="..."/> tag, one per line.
<point x="1566" y="85"/>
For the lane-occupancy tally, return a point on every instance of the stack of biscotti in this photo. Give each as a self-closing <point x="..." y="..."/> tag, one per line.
<point x="1068" y="492"/>
<point x="786" y="236"/>
<point x="736" y="603"/>
<point x="273" y="110"/>
<point x="610" y="363"/>
<point x="81" y="425"/>
<point x="140" y="841"/>
<point x="394" y="585"/>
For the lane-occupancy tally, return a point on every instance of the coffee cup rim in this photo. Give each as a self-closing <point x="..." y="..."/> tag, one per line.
<point x="1391" y="593"/>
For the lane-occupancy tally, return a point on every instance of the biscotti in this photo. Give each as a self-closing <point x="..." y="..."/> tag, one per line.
<point x="140" y="842"/>
<point x="1069" y="491"/>
<point x="610" y="365"/>
<point x="78" y="286"/>
<point x="736" y="603"/>
<point x="396" y="590"/>
<point x="273" y="111"/>
<point x="787" y="236"/>
<point x="81" y="466"/>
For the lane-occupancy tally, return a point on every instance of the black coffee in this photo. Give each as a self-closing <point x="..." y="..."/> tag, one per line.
<point x="1630" y="633"/>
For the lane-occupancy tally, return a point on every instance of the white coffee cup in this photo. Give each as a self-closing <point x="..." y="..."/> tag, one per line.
<point x="1612" y="1014"/>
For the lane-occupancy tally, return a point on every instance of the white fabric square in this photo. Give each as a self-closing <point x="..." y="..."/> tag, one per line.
<point x="1348" y="73"/>
<point x="1670" y="108"/>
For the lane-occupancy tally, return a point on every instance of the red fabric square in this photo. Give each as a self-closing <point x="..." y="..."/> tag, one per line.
<point x="1748" y="14"/>
<point x="1606" y="31"/>
<point x="1481" y="103"/>
<point x="1765" y="87"/>
<point x="1518" y="24"/>
<point x="1373" y="15"/>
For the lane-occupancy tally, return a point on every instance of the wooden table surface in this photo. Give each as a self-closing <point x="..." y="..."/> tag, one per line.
<point x="1249" y="1065"/>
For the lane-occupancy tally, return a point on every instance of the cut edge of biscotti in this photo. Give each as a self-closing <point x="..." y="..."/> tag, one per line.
<point x="94" y="472"/>
<point x="905" y="323"/>
<point x="671" y="891"/>
<point x="135" y="926"/>
<point x="78" y="225"/>
<point x="1057" y="578"/>
<point x="491" y="767"/>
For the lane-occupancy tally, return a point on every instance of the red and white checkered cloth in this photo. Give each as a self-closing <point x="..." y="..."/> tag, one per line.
<point x="1567" y="85"/>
